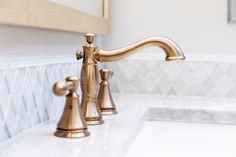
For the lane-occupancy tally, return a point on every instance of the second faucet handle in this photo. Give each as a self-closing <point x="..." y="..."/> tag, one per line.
<point x="105" y="101"/>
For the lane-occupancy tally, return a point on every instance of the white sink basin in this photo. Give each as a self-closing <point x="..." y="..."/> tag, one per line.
<point x="178" y="139"/>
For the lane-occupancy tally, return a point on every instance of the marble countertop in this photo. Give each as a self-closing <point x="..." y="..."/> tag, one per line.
<point x="114" y="137"/>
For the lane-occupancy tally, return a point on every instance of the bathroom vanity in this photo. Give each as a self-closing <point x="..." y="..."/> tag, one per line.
<point x="165" y="109"/>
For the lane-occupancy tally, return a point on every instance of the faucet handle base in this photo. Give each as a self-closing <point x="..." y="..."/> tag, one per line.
<point x="71" y="133"/>
<point x="94" y="122"/>
<point x="110" y="111"/>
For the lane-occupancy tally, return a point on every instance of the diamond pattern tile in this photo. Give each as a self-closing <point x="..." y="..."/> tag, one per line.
<point x="180" y="78"/>
<point x="26" y="97"/>
<point x="27" y="100"/>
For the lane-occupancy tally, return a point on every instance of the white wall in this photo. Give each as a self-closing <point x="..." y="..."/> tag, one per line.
<point x="28" y="45"/>
<point x="198" y="26"/>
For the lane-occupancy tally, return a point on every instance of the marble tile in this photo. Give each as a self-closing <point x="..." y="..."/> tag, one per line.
<point x="26" y="97"/>
<point x="180" y="78"/>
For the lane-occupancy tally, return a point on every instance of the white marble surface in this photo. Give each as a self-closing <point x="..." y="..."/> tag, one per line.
<point x="115" y="136"/>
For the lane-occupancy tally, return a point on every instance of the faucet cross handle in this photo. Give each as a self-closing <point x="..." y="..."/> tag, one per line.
<point x="72" y="123"/>
<point x="106" y="74"/>
<point x="71" y="85"/>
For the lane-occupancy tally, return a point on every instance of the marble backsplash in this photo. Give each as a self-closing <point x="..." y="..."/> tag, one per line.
<point x="26" y="97"/>
<point x="176" y="78"/>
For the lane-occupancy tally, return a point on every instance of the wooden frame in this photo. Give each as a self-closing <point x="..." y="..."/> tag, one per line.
<point x="49" y="15"/>
<point x="232" y="11"/>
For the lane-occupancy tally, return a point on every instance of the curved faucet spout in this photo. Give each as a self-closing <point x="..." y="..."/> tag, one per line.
<point x="171" y="49"/>
<point x="89" y="70"/>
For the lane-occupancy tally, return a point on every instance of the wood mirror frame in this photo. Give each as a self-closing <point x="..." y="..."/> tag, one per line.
<point x="49" y="15"/>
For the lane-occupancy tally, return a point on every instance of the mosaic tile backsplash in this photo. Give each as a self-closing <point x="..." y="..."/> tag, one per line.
<point x="26" y="97"/>
<point x="177" y="78"/>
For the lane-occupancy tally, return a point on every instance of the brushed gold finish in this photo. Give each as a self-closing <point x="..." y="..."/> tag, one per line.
<point x="89" y="72"/>
<point x="105" y="101"/>
<point x="79" y="55"/>
<point x="171" y="49"/>
<point x="60" y="88"/>
<point x="89" y="84"/>
<point x="90" y="38"/>
<point x="72" y="123"/>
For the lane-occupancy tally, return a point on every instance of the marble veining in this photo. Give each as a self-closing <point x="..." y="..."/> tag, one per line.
<point x="113" y="139"/>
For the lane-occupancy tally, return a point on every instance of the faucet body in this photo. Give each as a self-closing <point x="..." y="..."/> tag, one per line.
<point x="89" y="86"/>
<point x="89" y="72"/>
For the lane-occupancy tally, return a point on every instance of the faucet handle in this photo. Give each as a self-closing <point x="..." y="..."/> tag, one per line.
<point x="72" y="123"/>
<point x="105" y="101"/>
<point x="106" y="74"/>
<point x="79" y="54"/>
<point x="71" y="84"/>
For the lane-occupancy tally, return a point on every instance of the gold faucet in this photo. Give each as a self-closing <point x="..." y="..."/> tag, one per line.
<point x="89" y="72"/>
